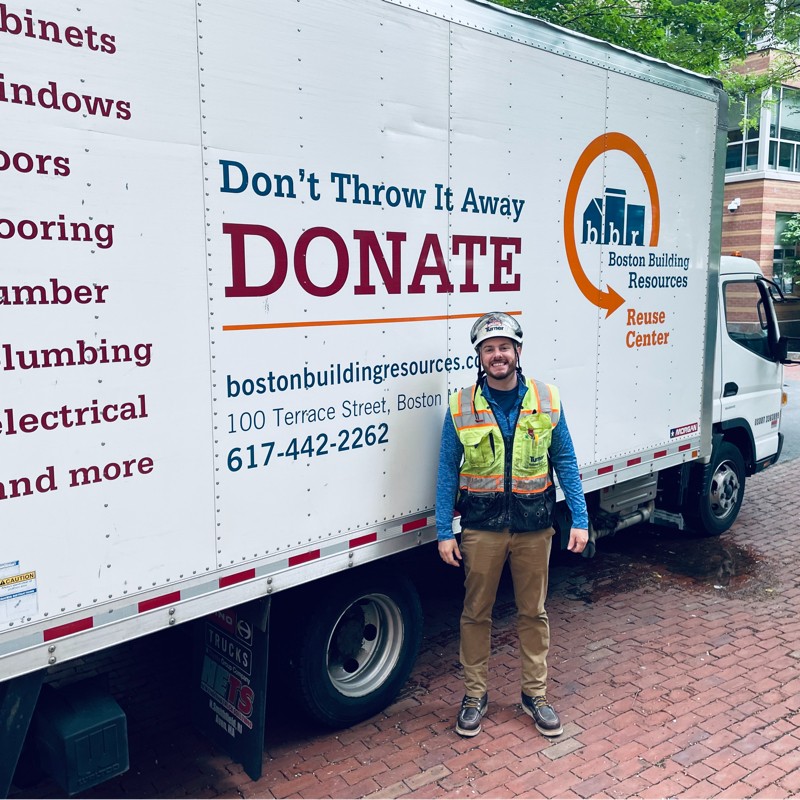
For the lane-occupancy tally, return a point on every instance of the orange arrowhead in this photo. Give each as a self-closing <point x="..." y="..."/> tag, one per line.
<point x="611" y="301"/>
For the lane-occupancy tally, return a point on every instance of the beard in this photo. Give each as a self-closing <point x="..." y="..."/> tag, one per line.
<point x="500" y="369"/>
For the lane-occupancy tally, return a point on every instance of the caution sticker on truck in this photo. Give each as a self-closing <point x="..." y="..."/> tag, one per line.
<point x="18" y="594"/>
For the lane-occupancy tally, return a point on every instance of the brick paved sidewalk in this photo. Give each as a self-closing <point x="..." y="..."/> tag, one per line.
<point x="674" y="667"/>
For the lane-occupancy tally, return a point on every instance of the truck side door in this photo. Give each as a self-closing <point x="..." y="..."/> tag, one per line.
<point x="751" y="385"/>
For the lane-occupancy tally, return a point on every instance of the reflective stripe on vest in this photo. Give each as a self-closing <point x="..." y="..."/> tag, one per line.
<point x="484" y="449"/>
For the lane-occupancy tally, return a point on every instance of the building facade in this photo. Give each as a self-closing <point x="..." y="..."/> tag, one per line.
<point x="762" y="177"/>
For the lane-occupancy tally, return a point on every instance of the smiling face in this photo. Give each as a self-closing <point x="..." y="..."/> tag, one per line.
<point x="499" y="361"/>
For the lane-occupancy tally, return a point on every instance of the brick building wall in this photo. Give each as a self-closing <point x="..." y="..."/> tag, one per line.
<point x="750" y="229"/>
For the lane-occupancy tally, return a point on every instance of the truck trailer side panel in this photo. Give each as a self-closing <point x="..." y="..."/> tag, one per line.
<point x="242" y="268"/>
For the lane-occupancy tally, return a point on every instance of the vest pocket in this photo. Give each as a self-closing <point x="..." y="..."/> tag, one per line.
<point x="482" y="510"/>
<point x="479" y="447"/>
<point x="534" y="434"/>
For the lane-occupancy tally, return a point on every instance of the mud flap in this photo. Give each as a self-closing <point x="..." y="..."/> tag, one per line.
<point x="18" y="698"/>
<point x="231" y="655"/>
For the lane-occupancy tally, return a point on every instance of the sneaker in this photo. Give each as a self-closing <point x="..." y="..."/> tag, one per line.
<point x="544" y="715"/>
<point x="470" y="715"/>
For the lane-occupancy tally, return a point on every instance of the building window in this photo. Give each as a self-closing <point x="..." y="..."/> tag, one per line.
<point x="784" y="260"/>
<point x="784" y="132"/>
<point x="784" y="255"/>
<point x="779" y="107"/>
<point x="742" y="153"/>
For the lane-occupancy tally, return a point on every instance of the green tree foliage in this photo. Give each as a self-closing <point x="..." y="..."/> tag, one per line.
<point x="707" y="36"/>
<point x="791" y="233"/>
<point x="790" y="237"/>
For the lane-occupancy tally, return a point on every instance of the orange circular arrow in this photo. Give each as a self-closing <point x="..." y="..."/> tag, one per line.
<point x="608" y="299"/>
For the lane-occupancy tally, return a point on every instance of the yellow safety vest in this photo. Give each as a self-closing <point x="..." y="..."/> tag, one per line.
<point x="488" y="469"/>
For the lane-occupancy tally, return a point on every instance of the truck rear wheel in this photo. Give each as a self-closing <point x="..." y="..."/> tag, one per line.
<point x="720" y="500"/>
<point x="358" y="648"/>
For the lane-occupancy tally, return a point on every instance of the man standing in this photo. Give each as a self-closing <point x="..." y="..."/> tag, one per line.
<point x="500" y="441"/>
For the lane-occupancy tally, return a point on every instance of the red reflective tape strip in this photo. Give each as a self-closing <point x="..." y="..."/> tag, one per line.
<point x="229" y="580"/>
<point x="660" y="454"/>
<point x="415" y="525"/>
<point x="158" y="602"/>
<point x="303" y="558"/>
<point x="65" y="630"/>
<point x="365" y="539"/>
<point x="634" y="461"/>
<point x="684" y="447"/>
<point x="604" y="470"/>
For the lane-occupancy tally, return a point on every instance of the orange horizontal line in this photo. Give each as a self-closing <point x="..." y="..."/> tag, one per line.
<point x="260" y="326"/>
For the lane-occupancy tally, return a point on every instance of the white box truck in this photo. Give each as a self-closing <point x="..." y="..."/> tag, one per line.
<point x="242" y="247"/>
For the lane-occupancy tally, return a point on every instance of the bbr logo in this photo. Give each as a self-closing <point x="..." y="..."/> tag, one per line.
<point x="608" y="220"/>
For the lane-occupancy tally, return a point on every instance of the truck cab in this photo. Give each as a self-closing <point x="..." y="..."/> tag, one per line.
<point x="747" y="392"/>
<point x="748" y="368"/>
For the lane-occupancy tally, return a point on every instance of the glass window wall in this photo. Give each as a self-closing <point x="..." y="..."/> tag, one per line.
<point x="743" y="134"/>
<point x="784" y="132"/>
<point x="784" y="256"/>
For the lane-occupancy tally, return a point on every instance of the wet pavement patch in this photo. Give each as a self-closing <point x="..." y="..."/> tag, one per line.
<point x="650" y="556"/>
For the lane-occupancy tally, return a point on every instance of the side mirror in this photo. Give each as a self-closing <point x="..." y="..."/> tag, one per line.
<point x="778" y="345"/>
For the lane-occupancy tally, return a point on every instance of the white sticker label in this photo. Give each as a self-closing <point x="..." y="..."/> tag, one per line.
<point x="18" y="596"/>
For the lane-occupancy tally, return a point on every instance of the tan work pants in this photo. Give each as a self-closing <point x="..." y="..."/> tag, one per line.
<point x="485" y="553"/>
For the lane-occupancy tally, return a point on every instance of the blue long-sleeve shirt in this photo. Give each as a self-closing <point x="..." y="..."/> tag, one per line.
<point x="451" y="454"/>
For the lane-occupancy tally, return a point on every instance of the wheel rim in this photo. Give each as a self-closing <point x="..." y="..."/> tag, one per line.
<point x="725" y="488"/>
<point x="365" y="645"/>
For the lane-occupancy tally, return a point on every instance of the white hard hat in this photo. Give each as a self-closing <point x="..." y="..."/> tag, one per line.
<point x="495" y="323"/>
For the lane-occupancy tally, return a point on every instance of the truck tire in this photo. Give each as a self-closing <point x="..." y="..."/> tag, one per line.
<point x="721" y="498"/>
<point x="358" y="648"/>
